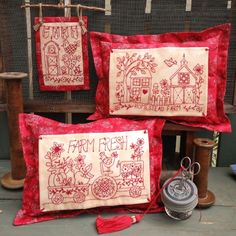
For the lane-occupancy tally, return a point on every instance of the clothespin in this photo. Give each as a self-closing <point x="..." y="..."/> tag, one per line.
<point x="188" y="5"/>
<point x="108" y="7"/>
<point x="148" y="8"/>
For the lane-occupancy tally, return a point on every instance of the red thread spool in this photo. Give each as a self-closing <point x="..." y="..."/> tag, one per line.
<point x="15" y="178"/>
<point x="203" y="150"/>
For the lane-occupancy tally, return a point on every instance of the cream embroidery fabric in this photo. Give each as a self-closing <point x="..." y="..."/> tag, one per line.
<point x="167" y="81"/>
<point x="79" y="171"/>
<point x="61" y="53"/>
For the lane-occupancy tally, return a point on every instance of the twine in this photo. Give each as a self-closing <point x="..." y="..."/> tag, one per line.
<point x="62" y="5"/>
<point x="37" y="26"/>
<point x="80" y="16"/>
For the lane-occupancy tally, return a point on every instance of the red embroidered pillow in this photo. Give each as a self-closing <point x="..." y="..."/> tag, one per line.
<point x="216" y="39"/>
<point x="62" y="54"/>
<point x="69" y="165"/>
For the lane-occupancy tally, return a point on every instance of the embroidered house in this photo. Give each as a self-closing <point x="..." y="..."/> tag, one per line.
<point x="140" y="84"/>
<point x="135" y="78"/>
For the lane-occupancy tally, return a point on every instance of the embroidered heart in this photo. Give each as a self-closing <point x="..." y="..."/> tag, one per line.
<point x="145" y="91"/>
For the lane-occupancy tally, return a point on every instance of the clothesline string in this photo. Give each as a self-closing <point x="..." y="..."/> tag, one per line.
<point x="62" y="6"/>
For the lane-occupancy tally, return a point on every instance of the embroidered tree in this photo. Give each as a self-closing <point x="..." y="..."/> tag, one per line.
<point x="131" y="64"/>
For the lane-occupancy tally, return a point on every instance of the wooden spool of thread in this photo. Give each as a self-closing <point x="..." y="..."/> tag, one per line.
<point x="203" y="150"/>
<point x="15" y="178"/>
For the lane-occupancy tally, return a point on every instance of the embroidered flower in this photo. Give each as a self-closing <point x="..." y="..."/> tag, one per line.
<point x="57" y="148"/>
<point x="198" y="69"/>
<point x="114" y="154"/>
<point x="140" y="141"/>
<point x="133" y="156"/>
<point x="164" y="83"/>
<point x="80" y="160"/>
<point x="77" y="70"/>
<point x="132" y="146"/>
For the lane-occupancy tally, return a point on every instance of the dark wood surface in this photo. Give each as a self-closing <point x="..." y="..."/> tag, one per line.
<point x="77" y="107"/>
<point x="217" y="220"/>
<point x="57" y="106"/>
<point x="3" y="107"/>
<point x="230" y="109"/>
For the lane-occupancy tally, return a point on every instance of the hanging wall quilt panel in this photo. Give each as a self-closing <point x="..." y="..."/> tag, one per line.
<point x="62" y="54"/>
<point x="167" y="81"/>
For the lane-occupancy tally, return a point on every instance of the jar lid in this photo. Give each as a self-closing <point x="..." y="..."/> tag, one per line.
<point x="180" y="195"/>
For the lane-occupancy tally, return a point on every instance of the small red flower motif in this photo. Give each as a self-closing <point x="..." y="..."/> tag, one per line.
<point x="77" y="70"/>
<point x="57" y="148"/>
<point x="80" y="160"/>
<point x="114" y="154"/>
<point x="198" y="69"/>
<point x="164" y="83"/>
<point x="132" y="146"/>
<point x="133" y="156"/>
<point x="140" y="141"/>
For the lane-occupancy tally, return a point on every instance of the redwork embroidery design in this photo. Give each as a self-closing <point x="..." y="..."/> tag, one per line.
<point x="61" y="54"/>
<point x="163" y="81"/>
<point x="92" y="168"/>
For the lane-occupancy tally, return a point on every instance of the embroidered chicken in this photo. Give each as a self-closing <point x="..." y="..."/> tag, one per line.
<point x="107" y="162"/>
<point x="70" y="48"/>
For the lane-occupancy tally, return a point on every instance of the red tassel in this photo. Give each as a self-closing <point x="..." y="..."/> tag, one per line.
<point x="116" y="223"/>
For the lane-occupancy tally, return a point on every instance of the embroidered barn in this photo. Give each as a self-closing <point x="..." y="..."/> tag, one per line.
<point x="183" y="85"/>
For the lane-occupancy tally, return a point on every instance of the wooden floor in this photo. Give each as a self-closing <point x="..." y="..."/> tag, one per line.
<point x="220" y="219"/>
